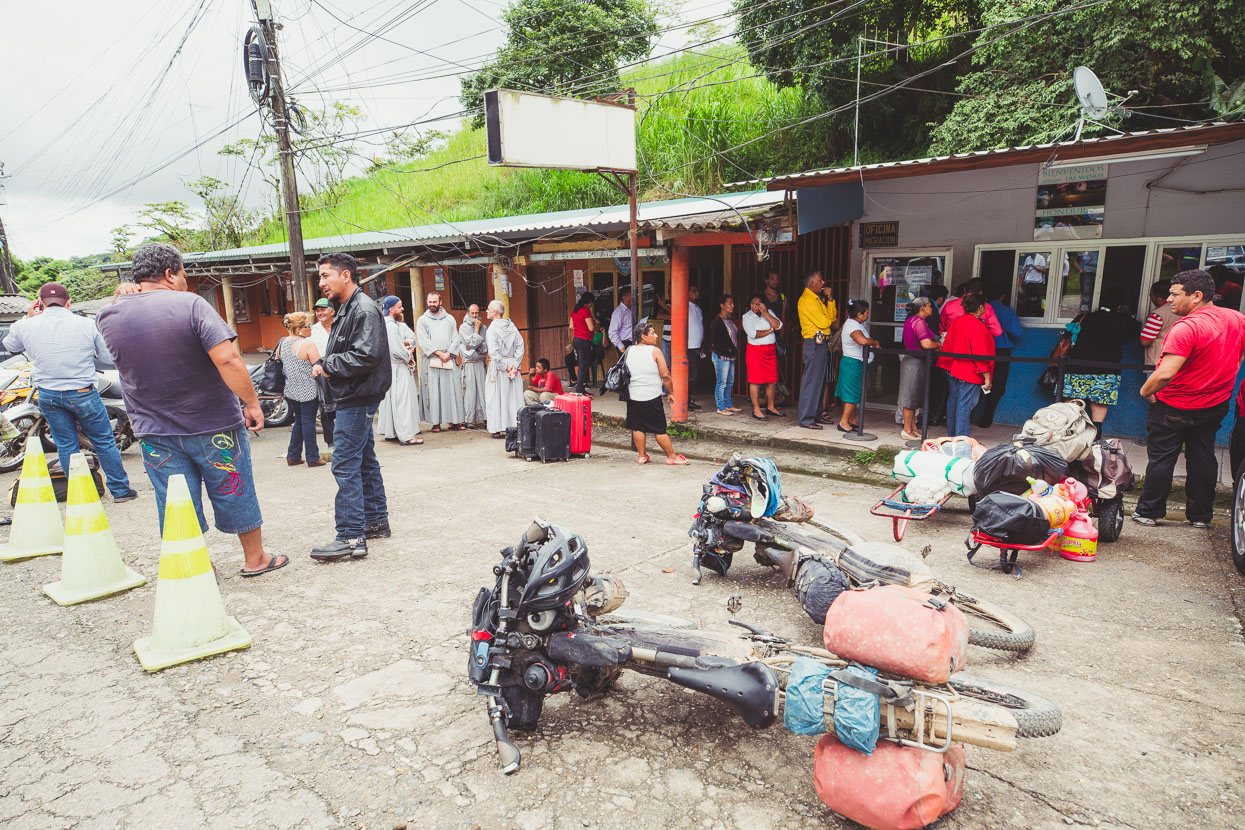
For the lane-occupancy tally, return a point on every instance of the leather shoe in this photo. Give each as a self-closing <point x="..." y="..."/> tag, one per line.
<point x="319" y="462"/>
<point x="293" y="462"/>
<point x="340" y="549"/>
<point x="380" y="530"/>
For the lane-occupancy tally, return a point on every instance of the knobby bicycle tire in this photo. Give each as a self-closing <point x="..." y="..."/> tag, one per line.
<point x="1036" y="717"/>
<point x="1008" y="632"/>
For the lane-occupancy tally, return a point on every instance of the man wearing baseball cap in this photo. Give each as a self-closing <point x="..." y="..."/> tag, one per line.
<point x="63" y="347"/>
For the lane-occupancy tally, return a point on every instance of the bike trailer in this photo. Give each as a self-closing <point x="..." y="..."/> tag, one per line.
<point x="895" y="788"/>
<point x="898" y="630"/>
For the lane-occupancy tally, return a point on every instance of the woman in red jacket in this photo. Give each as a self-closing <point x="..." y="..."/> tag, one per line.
<point x="969" y="377"/>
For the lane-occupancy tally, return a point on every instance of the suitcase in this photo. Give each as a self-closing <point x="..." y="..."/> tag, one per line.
<point x="895" y="788"/>
<point x="898" y="630"/>
<point x="544" y="433"/>
<point x="580" y="407"/>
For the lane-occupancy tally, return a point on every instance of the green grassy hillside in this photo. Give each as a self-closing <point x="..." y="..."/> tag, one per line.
<point x="690" y="106"/>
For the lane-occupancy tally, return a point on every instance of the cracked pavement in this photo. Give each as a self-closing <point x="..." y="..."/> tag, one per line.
<point x="352" y="708"/>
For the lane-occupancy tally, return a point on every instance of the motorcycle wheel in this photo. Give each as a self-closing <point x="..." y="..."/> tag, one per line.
<point x="991" y="626"/>
<point x="278" y="414"/>
<point x="1111" y="519"/>
<point x="13" y="451"/>
<point x="1036" y="717"/>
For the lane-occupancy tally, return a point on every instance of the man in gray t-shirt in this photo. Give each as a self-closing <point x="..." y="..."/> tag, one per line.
<point x="182" y="378"/>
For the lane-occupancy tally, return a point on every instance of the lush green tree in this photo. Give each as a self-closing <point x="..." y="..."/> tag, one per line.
<point x="172" y="221"/>
<point x="814" y="45"/>
<point x="226" y="221"/>
<point x="1020" y="88"/>
<point x="564" y="47"/>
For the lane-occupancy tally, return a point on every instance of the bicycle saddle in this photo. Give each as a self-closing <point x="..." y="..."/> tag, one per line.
<point x="751" y="689"/>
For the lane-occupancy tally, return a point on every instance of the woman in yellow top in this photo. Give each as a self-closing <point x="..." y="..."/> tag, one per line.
<point x="817" y="320"/>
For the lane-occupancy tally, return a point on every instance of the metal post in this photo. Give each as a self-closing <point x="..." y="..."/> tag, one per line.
<point x="860" y="48"/>
<point x="860" y="434"/>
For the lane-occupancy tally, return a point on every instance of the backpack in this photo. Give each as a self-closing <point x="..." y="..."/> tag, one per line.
<point x="1105" y="472"/>
<point x="1063" y="427"/>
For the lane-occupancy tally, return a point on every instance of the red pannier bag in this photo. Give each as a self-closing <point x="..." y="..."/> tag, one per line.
<point x="580" y="407"/>
<point x="898" y="630"/>
<point x="895" y="788"/>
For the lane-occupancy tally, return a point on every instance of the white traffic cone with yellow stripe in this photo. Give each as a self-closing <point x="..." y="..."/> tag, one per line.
<point x="190" y="622"/>
<point x="37" y="529"/>
<point x="91" y="565"/>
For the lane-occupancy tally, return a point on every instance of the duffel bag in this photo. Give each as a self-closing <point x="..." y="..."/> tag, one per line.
<point x="895" y="788"/>
<point x="1008" y="467"/>
<point x="1011" y="518"/>
<point x="898" y="630"/>
<point x="1105" y="472"/>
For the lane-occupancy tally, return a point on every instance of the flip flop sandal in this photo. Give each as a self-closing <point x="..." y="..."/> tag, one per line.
<point x="677" y="461"/>
<point x="277" y="562"/>
<point x="413" y="442"/>
<point x="436" y="429"/>
<point x="642" y="459"/>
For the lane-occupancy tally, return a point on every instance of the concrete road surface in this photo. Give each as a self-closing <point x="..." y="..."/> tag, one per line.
<point x="352" y="708"/>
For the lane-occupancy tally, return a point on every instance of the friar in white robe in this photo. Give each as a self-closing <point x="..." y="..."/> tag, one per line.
<point x="504" y="381"/>
<point x="397" y="418"/>
<point x="442" y="387"/>
<point x="473" y="350"/>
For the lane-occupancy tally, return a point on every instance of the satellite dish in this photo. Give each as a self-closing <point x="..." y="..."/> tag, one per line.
<point x="1089" y="92"/>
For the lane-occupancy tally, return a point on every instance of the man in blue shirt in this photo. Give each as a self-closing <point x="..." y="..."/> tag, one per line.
<point x="983" y="413"/>
<point x="63" y="348"/>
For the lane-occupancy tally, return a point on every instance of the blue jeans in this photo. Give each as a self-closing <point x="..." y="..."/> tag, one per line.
<point x="65" y="412"/>
<point x="724" y="371"/>
<point x="960" y="405"/>
<point x="303" y="434"/>
<point x="221" y="462"/>
<point x="360" y="489"/>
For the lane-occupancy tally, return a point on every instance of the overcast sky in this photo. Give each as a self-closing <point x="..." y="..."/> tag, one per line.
<point x="102" y="111"/>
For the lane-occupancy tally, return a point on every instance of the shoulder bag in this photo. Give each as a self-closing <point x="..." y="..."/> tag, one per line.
<point x="272" y="377"/>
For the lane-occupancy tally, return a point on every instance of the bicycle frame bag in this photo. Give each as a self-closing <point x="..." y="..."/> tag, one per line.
<point x="898" y="630"/>
<point x="895" y="788"/>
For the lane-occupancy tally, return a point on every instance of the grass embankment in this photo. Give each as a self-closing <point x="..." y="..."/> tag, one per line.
<point x="691" y="106"/>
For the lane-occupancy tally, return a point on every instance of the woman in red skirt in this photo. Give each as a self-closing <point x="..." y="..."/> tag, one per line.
<point x="759" y="325"/>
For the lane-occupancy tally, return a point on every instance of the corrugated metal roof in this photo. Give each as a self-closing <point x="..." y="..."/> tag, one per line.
<point x="1195" y="133"/>
<point x="702" y="212"/>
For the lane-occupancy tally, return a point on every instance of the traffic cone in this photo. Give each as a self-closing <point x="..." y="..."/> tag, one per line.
<point x="190" y="622"/>
<point x="37" y="528"/>
<point x="91" y="565"/>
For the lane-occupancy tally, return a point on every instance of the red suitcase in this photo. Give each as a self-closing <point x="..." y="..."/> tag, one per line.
<point x="580" y="407"/>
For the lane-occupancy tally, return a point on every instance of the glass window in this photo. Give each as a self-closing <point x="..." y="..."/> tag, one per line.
<point x="1032" y="270"/>
<point x="1076" y="289"/>
<point x="1121" y="272"/>
<point x="1226" y="263"/>
<point x="1177" y="258"/>
<point x="895" y="282"/>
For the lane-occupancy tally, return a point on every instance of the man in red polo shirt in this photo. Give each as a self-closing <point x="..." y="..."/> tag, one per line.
<point x="544" y="385"/>
<point x="1188" y="395"/>
<point x="969" y="378"/>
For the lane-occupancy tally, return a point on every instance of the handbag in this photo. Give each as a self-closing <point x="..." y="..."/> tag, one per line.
<point x="618" y="378"/>
<point x="272" y="377"/>
<point x="1050" y="378"/>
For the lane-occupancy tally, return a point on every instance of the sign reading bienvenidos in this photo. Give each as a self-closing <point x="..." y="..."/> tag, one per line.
<point x="1071" y="202"/>
<point x="879" y="234"/>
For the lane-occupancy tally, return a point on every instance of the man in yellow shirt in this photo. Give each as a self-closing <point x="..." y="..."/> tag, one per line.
<point x="818" y="316"/>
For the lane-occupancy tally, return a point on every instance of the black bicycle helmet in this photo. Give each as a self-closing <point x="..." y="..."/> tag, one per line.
<point x="559" y="570"/>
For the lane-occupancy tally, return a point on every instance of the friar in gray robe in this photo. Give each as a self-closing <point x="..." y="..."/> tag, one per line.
<point x="397" y="417"/>
<point x="504" y="387"/>
<point x="473" y="350"/>
<point x="442" y="386"/>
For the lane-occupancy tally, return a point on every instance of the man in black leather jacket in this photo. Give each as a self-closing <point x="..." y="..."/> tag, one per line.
<point x="354" y="376"/>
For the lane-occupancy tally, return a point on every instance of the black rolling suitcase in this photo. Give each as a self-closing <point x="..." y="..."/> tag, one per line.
<point x="544" y="433"/>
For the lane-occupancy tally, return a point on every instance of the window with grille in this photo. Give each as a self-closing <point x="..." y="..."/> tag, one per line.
<point x="468" y="285"/>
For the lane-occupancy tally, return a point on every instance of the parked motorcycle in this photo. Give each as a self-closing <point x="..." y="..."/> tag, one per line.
<point x="737" y="507"/>
<point x="550" y="625"/>
<point x="276" y="408"/>
<point x="24" y="413"/>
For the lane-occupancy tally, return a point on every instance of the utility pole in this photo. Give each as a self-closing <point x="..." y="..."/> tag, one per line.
<point x="8" y="275"/>
<point x="285" y="153"/>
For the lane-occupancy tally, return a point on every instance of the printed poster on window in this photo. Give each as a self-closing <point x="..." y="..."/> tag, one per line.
<point x="1071" y="202"/>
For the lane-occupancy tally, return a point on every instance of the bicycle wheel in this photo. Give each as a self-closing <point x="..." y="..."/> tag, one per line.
<point x="1036" y="717"/>
<point x="991" y="626"/>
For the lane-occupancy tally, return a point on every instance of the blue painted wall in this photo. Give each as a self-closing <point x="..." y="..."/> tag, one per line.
<point x="1023" y="397"/>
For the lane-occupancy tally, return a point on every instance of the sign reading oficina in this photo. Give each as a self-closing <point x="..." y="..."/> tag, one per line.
<point x="879" y="234"/>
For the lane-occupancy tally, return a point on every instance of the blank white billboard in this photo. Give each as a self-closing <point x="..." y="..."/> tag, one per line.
<point x="529" y="130"/>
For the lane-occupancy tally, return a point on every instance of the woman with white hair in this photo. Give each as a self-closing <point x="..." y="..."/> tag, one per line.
<point x="503" y="394"/>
